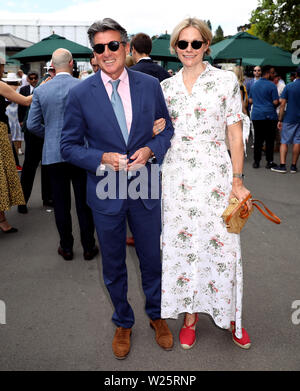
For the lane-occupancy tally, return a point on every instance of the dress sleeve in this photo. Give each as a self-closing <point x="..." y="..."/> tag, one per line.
<point x="234" y="102"/>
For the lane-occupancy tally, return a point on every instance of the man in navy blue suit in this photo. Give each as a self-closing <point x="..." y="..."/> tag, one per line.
<point x="108" y="129"/>
<point x="141" y="46"/>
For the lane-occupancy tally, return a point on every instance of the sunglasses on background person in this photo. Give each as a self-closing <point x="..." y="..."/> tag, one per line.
<point x="184" y="44"/>
<point x="32" y="78"/>
<point x="113" y="46"/>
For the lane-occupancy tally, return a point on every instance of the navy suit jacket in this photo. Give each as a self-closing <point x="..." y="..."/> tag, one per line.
<point x="91" y="128"/>
<point x="149" y="67"/>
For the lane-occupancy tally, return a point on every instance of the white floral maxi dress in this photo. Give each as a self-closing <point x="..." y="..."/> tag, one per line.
<point x="202" y="267"/>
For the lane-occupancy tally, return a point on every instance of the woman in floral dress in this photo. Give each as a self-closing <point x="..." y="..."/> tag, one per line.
<point x="202" y="267"/>
<point x="10" y="187"/>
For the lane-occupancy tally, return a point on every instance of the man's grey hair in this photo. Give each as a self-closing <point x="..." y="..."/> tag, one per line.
<point x="61" y="58"/>
<point x="105" y="25"/>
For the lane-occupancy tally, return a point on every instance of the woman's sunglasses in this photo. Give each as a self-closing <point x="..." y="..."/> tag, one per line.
<point x="184" y="44"/>
<point x="112" y="46"/>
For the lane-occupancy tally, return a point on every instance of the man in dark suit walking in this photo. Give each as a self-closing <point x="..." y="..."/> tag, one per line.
<point x="141" y="46"/>
<point x="108" y="130"/>
<point x="33" y="152"/>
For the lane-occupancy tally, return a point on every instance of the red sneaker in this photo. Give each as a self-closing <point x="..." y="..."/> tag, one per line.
<point x="19" y="168"/>
<point x="243" y="342"/>
<point x="187" y="335"/>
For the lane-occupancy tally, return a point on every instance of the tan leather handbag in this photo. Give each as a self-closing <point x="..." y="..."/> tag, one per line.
<point x="237" y="213"/>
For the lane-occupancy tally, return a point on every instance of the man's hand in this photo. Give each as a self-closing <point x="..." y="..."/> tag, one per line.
<point x="117" y="161"/>
<point x="159" y="126"/>
<point x="279" y="125"/>
<point x="140" y="157"/>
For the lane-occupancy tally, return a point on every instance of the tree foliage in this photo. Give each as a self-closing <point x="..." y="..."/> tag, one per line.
<point x="209" y="24"/>
<point x="219" y="35"/>
<point x="277" y="22"/>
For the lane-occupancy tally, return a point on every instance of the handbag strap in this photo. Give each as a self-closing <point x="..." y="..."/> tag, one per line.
<point x="272" y="217"/>
<point x="245" y="212"/>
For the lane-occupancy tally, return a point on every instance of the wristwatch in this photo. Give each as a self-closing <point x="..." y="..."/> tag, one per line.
<point x="235" y="175"/>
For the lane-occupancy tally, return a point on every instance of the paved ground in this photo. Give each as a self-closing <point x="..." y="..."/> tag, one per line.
<point x="58" y="313"/>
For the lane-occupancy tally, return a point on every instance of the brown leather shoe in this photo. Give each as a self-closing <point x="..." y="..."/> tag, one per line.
<point x="121" y="343"/>
<point x="163" y="335"/>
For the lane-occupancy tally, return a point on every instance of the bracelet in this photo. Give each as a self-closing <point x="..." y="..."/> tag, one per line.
<point x="235" y="175"/>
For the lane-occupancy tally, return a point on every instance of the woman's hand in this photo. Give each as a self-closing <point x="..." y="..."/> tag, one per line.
<point x="159" y="126"/>
<point x="240" y="192"/>
<point x="139" y="158"/>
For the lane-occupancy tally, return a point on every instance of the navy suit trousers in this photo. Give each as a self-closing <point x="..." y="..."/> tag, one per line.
<point x="145" y="226"/>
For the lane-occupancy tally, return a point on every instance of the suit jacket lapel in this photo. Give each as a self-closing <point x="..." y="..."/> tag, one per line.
<point x="100" y="95"/>
<point x="135" y="93"/>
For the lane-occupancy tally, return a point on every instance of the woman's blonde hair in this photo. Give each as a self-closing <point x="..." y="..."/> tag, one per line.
<point x="200" y="25"/>
<point x="239" y="72"/>
<point x="129" y="61"/>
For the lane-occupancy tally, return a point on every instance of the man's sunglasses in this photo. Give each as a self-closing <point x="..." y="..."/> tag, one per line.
<point x="112" y="46"/>
<point x="184" y="44"/>
<point x="33" y="78"/>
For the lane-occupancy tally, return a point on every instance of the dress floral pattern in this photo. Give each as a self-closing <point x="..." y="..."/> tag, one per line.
<point x="202" y="266"/>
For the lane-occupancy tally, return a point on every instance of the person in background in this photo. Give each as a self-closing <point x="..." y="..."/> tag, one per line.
<point x="202" y="264"/>
<point x="33" y="151"/>
<point x="264" y="98"/>
<point x="249" y="83"/>
<point x="21" y="74"/>
<point x="171" y="72"/>
<point x="289" y="124"/>
<point x="273" y="74"/>
<point x="93" y="63"/>
<point x="10" y="188"/>
<point x="256" y="76"/>
<point x="293" y="76"/>
<point x="12" y="112"/>
<point x="45" y="119"/>
<point x="280" y="88"/>
<point x="50" y="73"/>
<point x="239" y="72"/>
<point x="129" y="62"/>
<point x="141" y="46"/>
